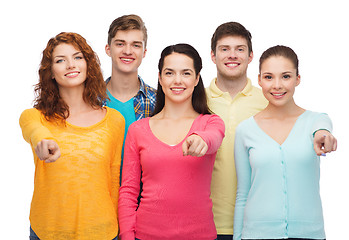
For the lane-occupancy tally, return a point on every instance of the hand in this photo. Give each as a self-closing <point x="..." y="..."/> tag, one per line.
<point x="195" y="146"/>
<point x="324" y="142"/>
<point x="47" y="150"/>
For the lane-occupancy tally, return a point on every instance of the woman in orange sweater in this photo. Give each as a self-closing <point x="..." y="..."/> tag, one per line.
<point x="76" y="145"/>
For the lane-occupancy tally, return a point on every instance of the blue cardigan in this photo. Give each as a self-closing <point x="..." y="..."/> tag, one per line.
<point x="278" y="193"/>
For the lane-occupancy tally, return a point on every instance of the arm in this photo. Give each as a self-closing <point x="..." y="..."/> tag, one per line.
<point x="206" y="141"/>
<point x="130" y="187"/>
<point x="116" y="160"/>
<point x="38" y="136"/>
<point x="243" y="171"/>
<point x="324" y="141"/>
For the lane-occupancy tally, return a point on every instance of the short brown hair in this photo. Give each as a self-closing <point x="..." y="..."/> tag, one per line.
<point x="48" y="99"/>
<point x="127" y="22"/>
<point x="231" y="29"/>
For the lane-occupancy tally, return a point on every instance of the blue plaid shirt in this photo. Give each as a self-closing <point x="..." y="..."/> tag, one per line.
<point x="144" y="101"/>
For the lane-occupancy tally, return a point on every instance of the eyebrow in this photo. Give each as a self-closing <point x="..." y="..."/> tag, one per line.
<point x="121" y="40"/>
<point x="59" y="56"/>
<point x="183" y="70"/>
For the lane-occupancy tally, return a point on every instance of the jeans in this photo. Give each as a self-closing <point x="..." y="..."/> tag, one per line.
<point x="225" y="237"/>
<point x="33" y="235"/>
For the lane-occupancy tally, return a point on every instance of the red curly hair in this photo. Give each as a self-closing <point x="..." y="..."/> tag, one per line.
<point x="48" y="99"/>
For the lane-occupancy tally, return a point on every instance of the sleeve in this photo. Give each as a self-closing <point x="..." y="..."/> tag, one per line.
<point x="213" y="133"/>
<point x="116" y="160"/>
<point x="322" y="122"/>
<point x="130" y="186"/>
<point x="33" y="130"/>
<point x="243" y="172"/>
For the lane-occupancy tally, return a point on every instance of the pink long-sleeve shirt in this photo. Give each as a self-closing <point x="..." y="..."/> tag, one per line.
<point x="175" y="200"/>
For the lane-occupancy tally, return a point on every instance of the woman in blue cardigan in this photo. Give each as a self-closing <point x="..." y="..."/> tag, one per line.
<point x="277" y="167"/>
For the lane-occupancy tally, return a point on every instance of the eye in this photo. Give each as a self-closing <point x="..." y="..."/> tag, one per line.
<point x="241" y="49"/>
<point x="59" y="61"/>
<point x="137" y="45"/>
<point x="286" y="76"/>
<point x="79" y="57"/>
<point x="187" y="73"/>
<point x="267" y="77"/>
<point x="168" y="73"/>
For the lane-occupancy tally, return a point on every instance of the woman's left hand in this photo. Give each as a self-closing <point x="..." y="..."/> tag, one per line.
<point x="195" y="146"/>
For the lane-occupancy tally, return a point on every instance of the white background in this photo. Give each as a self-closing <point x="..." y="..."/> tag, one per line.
<point x="316" y="30"/>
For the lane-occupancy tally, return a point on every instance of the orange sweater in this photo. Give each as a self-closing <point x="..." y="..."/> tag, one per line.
<point x="76" y="197"/>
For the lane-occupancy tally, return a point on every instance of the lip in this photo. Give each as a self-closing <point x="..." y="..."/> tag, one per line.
<point x="232" y="64"/>
<point x="278" y="95"/>
<point x="72" y="74"/>
<point x="177" y="90"/>
<point x="127" y="60"/>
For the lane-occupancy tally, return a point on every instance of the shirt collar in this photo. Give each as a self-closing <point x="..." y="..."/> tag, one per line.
<point x="216" y="92"/>
<point x="142" y="88"/>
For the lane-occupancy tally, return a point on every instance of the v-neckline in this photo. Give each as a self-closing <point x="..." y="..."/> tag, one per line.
<point x="173" y="145"/>
<point x="289" y="134"/>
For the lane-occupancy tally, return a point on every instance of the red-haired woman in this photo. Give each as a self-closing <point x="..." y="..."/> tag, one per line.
<point x="76" y="144"/>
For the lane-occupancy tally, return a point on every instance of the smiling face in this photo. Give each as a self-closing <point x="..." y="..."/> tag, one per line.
<point x="127" y="49"/>
<point x="232" y="57"/>
<point x="69" y="66"/>
<point x="278" y="79"/>
<point x="178" y="78"/>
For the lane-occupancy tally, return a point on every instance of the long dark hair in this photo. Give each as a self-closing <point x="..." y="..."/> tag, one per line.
<point x="199" y="100"/>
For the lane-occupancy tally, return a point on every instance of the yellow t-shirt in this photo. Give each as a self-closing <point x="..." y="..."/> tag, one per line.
<point x="245" y="104"/>
<point x="76" y="197"/>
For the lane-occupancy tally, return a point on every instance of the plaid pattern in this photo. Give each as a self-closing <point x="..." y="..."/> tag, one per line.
<point x="144" y="101"/>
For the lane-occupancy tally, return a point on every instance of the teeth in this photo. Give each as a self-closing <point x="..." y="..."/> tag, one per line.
<point x="278" y="94"/>
<point x="232" y="64"/>
<point x="177" y="89"/>
<point x="127" y="59"/>
<point x="71" y="74"/>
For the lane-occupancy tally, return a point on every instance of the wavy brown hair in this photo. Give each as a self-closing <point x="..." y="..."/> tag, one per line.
<point x="48" y="99"/>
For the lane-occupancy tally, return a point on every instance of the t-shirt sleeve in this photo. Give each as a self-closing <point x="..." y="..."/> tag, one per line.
<point x="321" y="122"/>
<point x="213" y="133"/>
<point x="33" y="130"/>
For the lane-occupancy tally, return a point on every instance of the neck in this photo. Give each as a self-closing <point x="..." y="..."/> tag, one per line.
<point x="123" y="86"/>
<point x="232" y="86"/>
<point x="177" y="111"/>
<point x="74" y="99"/>
<point x="281" y="112"/>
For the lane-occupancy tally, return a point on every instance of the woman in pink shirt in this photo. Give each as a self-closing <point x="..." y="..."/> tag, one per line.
<point x="173" y="152"/>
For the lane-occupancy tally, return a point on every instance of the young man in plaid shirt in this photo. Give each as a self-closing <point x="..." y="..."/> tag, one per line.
<point x="127" y="41"/>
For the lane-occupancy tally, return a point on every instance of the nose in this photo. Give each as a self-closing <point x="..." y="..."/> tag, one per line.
<point x="70" y="63"/>
<point x="177" y="78"/>
<point x="232" y="54"/>
<point x="277" y="83"/>
<point x="127" y="49"/>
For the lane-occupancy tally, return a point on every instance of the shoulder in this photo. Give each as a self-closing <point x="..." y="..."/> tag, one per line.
<point x="114" y="115"/>
<point x="30" y="114"/>
<point x="149" y="91"/>
<point x="206" y="120"/>
<point x="245" y="125"/>
<point x="139" y="125"/>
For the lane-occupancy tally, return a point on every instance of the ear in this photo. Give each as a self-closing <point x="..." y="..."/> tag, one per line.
<point x="259" y="80"/>
<point x="250" y="58"/>
<point x="107" y="50"/>
<point x="197" y="79"/>
<point x="213" y="57"/>
<point x="298" y="81"/>
<point x="159" y="77"/>
<point x="144" y="53"/>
